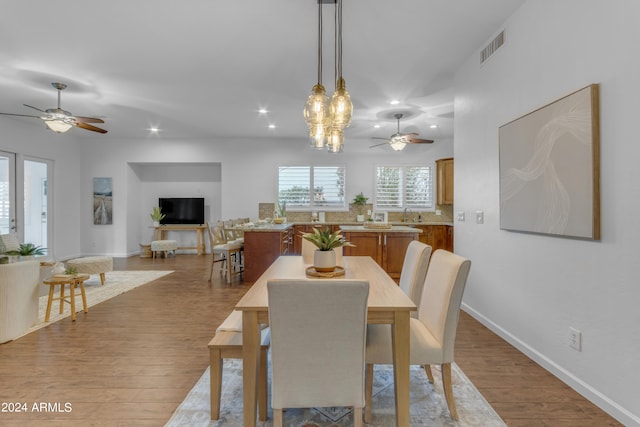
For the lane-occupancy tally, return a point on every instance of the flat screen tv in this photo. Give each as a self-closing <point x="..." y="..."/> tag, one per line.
<point x="182" y="210"/>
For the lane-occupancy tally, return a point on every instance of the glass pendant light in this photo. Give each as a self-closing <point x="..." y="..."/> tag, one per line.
<point x="341" y="108"/>
<point x="336" y="140"/>
<point x="316" y="110"/>
<point x="397" y="143"/>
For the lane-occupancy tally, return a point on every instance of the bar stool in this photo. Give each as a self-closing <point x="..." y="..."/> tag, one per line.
<point x="72" y="281"/>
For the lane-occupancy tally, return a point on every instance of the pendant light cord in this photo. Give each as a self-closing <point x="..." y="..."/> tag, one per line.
<point x="319" y="43"/>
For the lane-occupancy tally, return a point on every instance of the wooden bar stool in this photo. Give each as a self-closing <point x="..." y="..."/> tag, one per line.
<point x="72" y="281"/>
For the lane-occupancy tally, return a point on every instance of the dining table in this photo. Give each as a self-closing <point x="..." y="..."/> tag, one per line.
<point x="387" y="304"/>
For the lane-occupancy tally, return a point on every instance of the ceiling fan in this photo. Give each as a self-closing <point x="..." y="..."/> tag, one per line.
<point x="59" y="120"/>
<point x="398" y="140"/>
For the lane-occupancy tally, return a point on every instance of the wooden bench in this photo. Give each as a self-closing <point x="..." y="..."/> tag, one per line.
<point x="228" y="345"/>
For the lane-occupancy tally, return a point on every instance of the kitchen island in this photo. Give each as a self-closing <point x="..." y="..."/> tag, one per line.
<point x="264" y="244"/>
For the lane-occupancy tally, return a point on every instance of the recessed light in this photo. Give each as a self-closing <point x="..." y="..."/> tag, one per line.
<point x="376" y="126"/>
<point x="394" y="102"/>
<point x="263" y="111"/>
<point x="153" y="129"/>
<point x="433" y="126"/>
<point x="272" y="126"/>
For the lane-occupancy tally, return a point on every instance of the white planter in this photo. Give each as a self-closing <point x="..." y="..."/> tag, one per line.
<point x="156" y="223"/>
<point x="324" y="261"/>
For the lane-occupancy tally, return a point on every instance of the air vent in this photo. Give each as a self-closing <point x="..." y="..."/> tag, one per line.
<point x="492" y="47"/>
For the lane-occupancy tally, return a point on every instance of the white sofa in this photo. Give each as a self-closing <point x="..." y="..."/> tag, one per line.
<point x="19" y="283"/>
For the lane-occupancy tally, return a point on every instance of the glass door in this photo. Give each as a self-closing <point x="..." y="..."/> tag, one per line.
<point x="36" y="202"/>
<point x="7" y="193"/>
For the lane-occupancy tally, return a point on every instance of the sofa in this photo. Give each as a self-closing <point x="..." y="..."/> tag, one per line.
<point x="19" y="292"/>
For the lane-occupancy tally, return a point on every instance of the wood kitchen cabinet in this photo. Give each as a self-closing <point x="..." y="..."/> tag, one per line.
<point x="437" y="236"/>
<point x="386" y="248"/>
<point x="262" y="247"/>
<point x="444" y="179"/>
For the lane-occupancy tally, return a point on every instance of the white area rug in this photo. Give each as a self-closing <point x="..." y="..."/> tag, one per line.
<point x="116" y="283"/>
<point x="428" y="406"/>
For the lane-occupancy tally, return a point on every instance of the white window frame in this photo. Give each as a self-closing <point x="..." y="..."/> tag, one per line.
<point x="403" y="189"/>
<point x="313" y="205"/>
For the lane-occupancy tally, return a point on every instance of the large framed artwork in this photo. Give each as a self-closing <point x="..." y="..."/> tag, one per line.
<point x="549" y="168"/>
<point x="102" y="201"/>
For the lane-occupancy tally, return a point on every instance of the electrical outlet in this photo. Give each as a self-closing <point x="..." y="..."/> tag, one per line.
<point x="479" y="217"/>
<point x="460" y="216"/>
<point x="438" y="212"/>
<point x="575" y="339"/>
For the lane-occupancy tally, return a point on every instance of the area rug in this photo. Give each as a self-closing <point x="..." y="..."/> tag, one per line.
<point x="428" y="406"/>
<point x="116" y="283"/>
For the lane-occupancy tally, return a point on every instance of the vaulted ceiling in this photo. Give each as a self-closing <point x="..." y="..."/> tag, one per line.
<point x="203" y="69"/>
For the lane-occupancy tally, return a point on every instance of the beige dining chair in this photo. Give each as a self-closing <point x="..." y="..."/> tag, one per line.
<point x="317" y="344"/>
<point x="414" y="271"/>
<point x="433" y="333"/>
<point x="224" y="253"/>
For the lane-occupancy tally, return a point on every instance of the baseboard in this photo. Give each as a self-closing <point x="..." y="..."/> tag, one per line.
<point x="603" y="402"/>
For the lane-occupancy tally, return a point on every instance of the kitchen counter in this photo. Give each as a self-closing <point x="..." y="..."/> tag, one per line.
<point x="266" y="227"/>
<point x="393" y="229"/>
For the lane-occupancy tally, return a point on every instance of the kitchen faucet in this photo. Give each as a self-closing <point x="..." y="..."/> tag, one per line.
<point x="404" y="216"/>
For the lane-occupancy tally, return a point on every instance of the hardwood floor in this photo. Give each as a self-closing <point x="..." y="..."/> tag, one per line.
<point x="132" y="359"/>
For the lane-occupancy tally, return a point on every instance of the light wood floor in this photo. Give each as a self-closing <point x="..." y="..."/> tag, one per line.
<point x="131" y="360"/>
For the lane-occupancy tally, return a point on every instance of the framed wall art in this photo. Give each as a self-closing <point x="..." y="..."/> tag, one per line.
<point x="380" y="216"/>
<point x="102" y="201"/>
<point x="549" y="168"/>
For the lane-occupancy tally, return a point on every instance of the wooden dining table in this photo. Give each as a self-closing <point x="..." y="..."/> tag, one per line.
<point x="387" y="303"/>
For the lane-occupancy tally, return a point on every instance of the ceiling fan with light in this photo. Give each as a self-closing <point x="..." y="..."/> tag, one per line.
<point x="399" y="140"/>
<point x="59" y="120"/>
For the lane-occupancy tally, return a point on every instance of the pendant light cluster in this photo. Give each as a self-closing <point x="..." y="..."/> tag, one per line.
<point x="326" y="118"/>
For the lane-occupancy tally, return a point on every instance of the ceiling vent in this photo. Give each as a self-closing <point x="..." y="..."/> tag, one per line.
<point x="492" y="47"/>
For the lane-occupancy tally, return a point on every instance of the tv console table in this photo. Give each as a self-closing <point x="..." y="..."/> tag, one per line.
<point x="161" y="234"/>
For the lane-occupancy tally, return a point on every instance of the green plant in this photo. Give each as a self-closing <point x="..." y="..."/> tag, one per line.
<point x="28" y="249"/>
<point x="325" y="240"/>
<point x="359" y="201"/>
<point x="281" y="209"/>
<point x="157" y="215"/>
<point x="71" y="270"/>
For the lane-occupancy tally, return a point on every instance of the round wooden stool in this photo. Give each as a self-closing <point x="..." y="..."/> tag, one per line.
<point x="72" y="280"/>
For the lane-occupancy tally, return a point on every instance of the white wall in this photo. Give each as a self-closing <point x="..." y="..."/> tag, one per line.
<point x="532" y="288"/>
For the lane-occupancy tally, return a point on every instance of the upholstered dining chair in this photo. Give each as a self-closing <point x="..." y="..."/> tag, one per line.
<point x="414" y="271"/>
<point x="433" y="333"/>
<point x="224" y="252"/>
<point x="317" y="344"/>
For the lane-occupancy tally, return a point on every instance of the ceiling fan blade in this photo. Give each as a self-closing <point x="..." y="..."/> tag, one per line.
<point x="20" y="115"/>
<point x="35" y="108"/>
<point x="88" y="119"/>
<point x="377" y="145"/>
<point x="420" y="141"/>
<point x="89" y="127"/>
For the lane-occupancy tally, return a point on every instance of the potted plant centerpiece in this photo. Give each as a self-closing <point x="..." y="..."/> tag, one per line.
<point x="359" y="201"/>
<point x="27" y="251"/>
<point x="324" y="258"/>
<point x="156" y="216"/>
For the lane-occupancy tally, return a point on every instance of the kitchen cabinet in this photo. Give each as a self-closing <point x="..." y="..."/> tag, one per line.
<point x="437" y="236"/>
<point x="444" y="179"/>
<point x="387" y="248"/>
<point x="262" y="247"/>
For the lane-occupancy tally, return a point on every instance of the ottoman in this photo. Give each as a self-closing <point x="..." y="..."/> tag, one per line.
<point x="92" y="265"/>
<point x="165" y="246"/>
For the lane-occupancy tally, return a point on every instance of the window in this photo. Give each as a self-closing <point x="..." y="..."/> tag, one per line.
<point x="400" y="187"/>
<point x="295" y="184"/>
